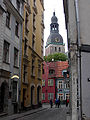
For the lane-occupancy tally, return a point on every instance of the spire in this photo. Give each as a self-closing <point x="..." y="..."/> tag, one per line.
<point x="54" y="13"/>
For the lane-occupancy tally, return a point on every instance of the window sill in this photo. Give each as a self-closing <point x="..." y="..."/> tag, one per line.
<point x="17" y="36"/>
<point x="6" y="62"/>
<point x="39" y="78"/>
<point x="16" y="67"/>
<point x="8" y="27"/>
<point x="25" y="83"/>
<point x="33" y="76"/>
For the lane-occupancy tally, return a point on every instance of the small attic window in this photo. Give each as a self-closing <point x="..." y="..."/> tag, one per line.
<point x="51" y="71"/>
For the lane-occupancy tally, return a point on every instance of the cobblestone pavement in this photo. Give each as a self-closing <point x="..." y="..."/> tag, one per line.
<point x="48" y="114"/>
<point x="45" y="113"/>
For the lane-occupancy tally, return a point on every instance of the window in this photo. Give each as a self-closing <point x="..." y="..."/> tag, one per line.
<point x="16" y="28"/>
<point x="26" y="24"/>
<point x="24" y="73"/>
<point x="43" y="71"/>
<point x="34" y="27"/>
<point x="15" y="57"/>
<point x="50" y="96"/>
<point x="39" y="69"/>
<point x="6" y="52"/>
<point x="51" y="71"/>
<point x="42" y="18"/>
<point x="67" y="84"/>
<point x="18" y="5"/>
<point x="43" y="96"/>
<point x="25" y="46"/>
<point x="60" y="85"/>
<point x="8" y="19"/>
<point x="61" y="96"/>
<point x="33" y="67"/>
<point x="50" y="82"/>
<point x="14" y="91"/>
<point x="43" y="82"/>
<point x="55" y="49"/>
<point x="59" y="49"/>
<point x="34" y="3"/>
<point x="33" y="42"/>
<point x="67" y="96"/>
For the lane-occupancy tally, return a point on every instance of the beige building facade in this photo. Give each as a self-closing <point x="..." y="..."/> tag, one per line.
<point x="32" y="54"/>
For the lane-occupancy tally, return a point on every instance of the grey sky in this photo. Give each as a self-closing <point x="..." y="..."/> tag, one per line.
<point x="50" y="7"/>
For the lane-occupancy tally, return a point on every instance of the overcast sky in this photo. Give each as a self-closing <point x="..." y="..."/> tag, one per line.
<point x="50" y="7"/>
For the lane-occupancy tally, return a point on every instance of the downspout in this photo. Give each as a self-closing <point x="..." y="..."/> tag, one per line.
<point x="78" y="57"/>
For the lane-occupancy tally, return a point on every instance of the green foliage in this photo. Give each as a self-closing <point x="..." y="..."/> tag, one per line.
<point x="56" y="57"/>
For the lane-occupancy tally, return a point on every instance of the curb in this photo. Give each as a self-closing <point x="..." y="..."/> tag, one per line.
<point x="3" y="114"/>
<point x="15" y="116"/>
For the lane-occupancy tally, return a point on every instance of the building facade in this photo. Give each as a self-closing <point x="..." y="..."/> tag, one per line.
<point x="11" y="19"/>
<point x="55" y="81"/>
<point x="32" y="54"/>
<point x="77" y="21"/>
<point x="48" y="82"/>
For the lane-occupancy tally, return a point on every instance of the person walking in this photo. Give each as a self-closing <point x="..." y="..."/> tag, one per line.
<point x="51" y="103"/>
<point x="58" y="102"/>
<point x="66" y="102"/>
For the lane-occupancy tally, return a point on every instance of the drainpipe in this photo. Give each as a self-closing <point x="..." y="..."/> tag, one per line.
<point x="79" y="58"/>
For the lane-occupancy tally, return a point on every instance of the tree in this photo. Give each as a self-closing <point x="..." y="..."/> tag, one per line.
<point x="56" y="57"/>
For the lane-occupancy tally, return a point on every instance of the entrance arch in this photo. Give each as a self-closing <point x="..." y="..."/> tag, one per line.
<point x="32" y="95"/>
<point x="38" y="94"/>
<point x="4" y="92"/>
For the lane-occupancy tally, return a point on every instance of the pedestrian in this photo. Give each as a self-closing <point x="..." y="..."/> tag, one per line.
<point x="51" y="103"/>
<point x="66" y="102"/>
<point x="58" y="102"/>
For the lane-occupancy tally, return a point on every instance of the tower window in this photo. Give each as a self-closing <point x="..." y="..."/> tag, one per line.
<point x="59" y="49"/>
<point x="55" y="49"/>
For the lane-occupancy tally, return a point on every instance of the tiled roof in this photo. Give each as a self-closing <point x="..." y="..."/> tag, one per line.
<point x="58" y="66"/>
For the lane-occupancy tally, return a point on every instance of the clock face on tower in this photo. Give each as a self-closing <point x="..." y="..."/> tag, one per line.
<point x="57" y="40"/>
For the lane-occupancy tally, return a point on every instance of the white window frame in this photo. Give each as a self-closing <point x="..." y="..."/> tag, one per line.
<point x="43" y="96"/>
<point x="50" y="82"/>
<point x="50" y="96"/>
<point x="43" y="82"/>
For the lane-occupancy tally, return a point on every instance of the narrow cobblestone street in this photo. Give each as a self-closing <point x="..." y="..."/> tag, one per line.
<point x="46" y="113"/>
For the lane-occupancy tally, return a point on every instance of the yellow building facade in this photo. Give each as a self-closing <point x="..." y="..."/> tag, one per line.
<point x="32" y="53"/>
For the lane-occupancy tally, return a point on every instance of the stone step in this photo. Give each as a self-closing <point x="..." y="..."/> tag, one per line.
<point x="3" y="114"/>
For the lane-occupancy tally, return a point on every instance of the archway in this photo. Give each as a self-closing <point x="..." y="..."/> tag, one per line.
<point x="32" y="95"/>
<point x="38" y="94"/>
<point x="4" y="92"/>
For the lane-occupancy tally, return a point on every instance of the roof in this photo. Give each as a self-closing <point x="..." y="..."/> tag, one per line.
<point x="52" y="39"/>
<point x="58" y="66"/>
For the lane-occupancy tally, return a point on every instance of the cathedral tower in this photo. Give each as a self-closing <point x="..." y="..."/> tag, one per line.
<point x="54" y="42"/>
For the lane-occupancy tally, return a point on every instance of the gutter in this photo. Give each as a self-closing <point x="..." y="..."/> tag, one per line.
<point x="79" y="58"/>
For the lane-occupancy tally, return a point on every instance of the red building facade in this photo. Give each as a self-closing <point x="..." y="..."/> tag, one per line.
<point x="52" y="76"/>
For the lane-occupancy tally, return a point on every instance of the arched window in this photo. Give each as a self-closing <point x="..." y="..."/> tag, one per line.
<point x="55" y="49"/>
<point x="59" y="49"/>
<point x="51" y="71"/>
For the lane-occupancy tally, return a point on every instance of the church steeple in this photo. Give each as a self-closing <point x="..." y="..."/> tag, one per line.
<point x="54" y="42"/>
<point x="54" y="26"/>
